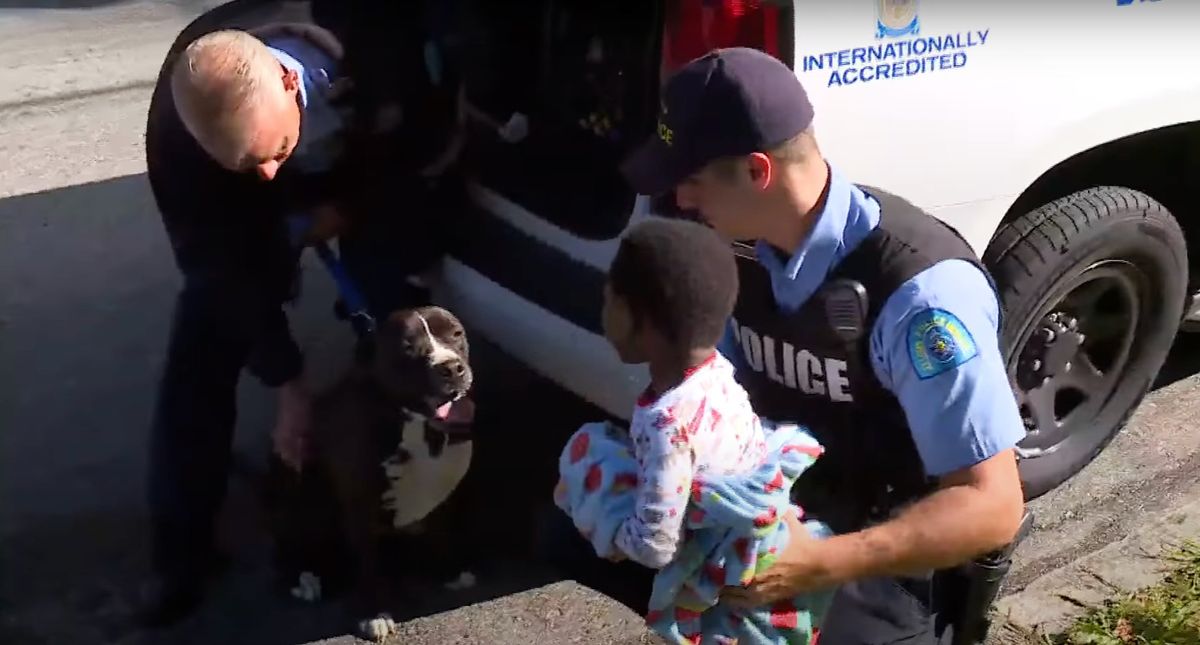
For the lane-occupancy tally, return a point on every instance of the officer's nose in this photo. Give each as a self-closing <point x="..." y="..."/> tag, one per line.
<point x="267" y="170"/>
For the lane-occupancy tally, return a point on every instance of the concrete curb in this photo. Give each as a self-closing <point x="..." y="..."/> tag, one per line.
<point x="558" y="612"/>
<point x="1050" y="603"/>
<point x="562" y="612"/>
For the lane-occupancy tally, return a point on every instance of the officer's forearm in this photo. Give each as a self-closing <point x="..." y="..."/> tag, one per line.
<point x="943" y="530"/>
<point x="967" y="517"/>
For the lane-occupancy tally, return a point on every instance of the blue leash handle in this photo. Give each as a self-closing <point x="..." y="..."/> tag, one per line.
<point x="356" y="304"/>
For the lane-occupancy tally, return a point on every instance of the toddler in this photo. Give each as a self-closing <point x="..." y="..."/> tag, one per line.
<point x="698" y="487"/>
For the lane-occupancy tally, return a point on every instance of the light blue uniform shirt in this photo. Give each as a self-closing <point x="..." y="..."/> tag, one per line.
<point x="956" y="395"/>
<point x="320" y="122"/>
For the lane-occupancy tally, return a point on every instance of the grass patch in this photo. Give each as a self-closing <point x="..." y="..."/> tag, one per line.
<point x="1166" y="614"/>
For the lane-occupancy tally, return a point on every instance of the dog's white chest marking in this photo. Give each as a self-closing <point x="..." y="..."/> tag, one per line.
<point x="418" y="482"/>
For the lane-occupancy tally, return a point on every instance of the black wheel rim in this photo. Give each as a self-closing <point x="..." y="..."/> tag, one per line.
<point x="1072" y="358"/>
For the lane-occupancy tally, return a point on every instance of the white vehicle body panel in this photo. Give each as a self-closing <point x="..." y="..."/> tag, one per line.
<point x="1025" y="87"/>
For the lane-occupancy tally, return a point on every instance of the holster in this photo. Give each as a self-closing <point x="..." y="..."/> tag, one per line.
<point x="981" y="580"/>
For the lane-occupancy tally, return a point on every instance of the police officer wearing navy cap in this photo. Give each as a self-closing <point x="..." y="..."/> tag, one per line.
<point x="869" y="321"/>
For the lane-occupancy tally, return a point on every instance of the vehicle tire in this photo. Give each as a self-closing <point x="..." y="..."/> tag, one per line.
<point x="1093" y="288"/>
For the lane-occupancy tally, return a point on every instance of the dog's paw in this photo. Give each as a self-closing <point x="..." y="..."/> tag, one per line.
<point x="377" y="628"/>
<point x="308" y="588"/>
<point x="464" y="581"/>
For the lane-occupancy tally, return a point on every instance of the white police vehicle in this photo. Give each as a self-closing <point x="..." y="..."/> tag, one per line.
<point x="1058" y="137"/>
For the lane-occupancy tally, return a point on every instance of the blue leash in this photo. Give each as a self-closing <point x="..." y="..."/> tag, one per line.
<point x="356" y="305"/>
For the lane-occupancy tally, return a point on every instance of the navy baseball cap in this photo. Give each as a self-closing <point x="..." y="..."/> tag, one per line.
<point x="726" y="103"/>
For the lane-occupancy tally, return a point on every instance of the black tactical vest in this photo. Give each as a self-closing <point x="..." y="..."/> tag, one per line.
<point x="813" y="366"/>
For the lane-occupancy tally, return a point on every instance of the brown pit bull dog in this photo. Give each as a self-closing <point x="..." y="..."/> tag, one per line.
<point x="390" y="444"/>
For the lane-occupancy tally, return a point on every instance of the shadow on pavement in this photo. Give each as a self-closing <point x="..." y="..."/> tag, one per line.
<point x="1182" y="362"/>
<point x="86" y="287"/>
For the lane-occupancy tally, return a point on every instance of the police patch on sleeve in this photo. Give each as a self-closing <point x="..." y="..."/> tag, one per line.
<point x="938" y="342"/>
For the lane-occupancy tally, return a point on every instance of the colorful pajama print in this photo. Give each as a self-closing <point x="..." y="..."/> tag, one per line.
<point x="732" y="531"/>
<point x="703" y="425"/>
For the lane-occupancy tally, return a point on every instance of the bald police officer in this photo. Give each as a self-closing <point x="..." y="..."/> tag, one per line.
<point x="869" y="321"/>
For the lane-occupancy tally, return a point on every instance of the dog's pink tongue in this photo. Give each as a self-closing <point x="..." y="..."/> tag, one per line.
<point x="443" y="412"/>
<point x="461" y="411"/>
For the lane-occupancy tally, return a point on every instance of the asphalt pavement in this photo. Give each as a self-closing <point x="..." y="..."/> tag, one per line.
<point x="86" y="285"/>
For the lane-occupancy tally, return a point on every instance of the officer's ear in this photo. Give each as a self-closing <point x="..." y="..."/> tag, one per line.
<point x="291" y="81"/>
<point x="761" y="170"/>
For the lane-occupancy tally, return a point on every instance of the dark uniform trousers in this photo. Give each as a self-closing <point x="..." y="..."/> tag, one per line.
<point x="792" y="364"/>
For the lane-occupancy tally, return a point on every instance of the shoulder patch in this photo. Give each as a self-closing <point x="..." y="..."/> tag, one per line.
<point x="938" y="342"/>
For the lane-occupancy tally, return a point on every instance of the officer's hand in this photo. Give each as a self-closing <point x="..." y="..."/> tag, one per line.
<point x="292" y="423"/>
<point x="798" y="570"/>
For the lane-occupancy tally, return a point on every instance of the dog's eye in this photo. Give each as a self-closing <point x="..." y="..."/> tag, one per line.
<point x="458" y="333"/>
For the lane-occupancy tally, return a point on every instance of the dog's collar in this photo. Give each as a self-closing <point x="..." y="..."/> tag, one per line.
<point x="451" y="430"/>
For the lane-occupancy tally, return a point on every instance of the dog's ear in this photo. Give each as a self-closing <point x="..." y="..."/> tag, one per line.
<point x="443" y="323"/>
<point x="396" y="336"/>
<point x="392" y="330"/>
